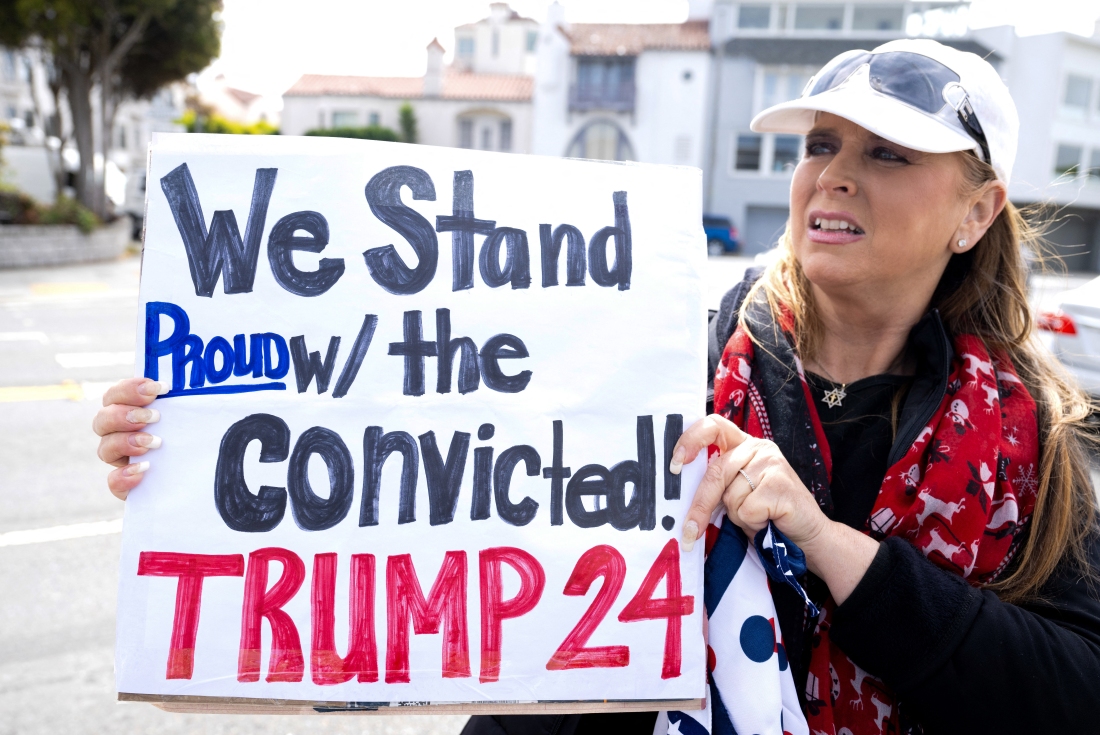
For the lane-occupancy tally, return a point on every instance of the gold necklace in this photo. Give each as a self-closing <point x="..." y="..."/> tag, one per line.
<point x="835" y="397"/>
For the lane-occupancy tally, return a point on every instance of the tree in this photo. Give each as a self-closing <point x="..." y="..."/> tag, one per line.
<point x="109" y="50"/>
<point x="407" y="121"/>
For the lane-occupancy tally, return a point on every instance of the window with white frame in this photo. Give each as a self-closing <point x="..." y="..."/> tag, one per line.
<point x="754" y="16"/>
<point x="506" y="135"/>
<point x="345" y="118"/>
<point x="746" y="152"/>
<point x="786" y="151"/>
<point x="532" y="41"/>
<point x="818" y="17"/>
<point x="878" y="17"/>
<point x="1077" y="92"/>
<point x="486" y="138"/>
<point x="465" y="48"/>
<point x="780" y="84"/>
<point x="374" y="119"/>
<point x="1067" y="160"/>
<point x="1094" y="166"/>
<point x="465" y="133"/>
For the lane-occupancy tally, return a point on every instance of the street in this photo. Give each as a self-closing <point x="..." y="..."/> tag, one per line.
<point x="65" y="335"/>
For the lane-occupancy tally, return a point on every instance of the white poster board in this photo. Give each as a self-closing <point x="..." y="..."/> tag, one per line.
<point x="416" y="445"/>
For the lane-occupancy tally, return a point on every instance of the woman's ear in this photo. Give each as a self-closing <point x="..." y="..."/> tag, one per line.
<point x="985" y="205"/>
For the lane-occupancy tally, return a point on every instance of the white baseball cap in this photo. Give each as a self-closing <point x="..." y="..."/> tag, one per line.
<point x="929" y="97"/>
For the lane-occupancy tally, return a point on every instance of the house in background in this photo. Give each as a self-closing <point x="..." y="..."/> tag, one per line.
<point x="764" y="54"/>
<point x="235" y="104"/>
<point x="481" y="101"/>
<point x="622" y="92"/>
<point x="1055" y="80"/>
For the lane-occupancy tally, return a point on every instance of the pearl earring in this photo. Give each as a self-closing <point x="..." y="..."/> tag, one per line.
<point x="962" y="244"/>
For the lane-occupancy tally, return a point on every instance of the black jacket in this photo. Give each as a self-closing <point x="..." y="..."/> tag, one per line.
<point x="959" y="659"/>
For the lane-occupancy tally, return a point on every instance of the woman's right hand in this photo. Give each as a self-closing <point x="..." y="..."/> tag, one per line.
<point x="120" y="425"/>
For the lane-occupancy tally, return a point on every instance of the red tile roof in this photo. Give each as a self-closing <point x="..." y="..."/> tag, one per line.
<point x="630" y="39"/>
<point x="456" y="86"/>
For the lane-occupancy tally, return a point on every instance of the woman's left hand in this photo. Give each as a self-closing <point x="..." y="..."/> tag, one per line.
<point x="838" y="554"/>
<point x="779" y="496"/>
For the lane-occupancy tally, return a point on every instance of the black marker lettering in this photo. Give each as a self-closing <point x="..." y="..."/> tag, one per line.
<point x="469" y="371"/>
<point x="355" y="357"/>
<point x="237" y="505"/>
<point x="208" y="252"/>
<point x="597" y="249"/>
<point x="463" y="226"/>
<point x="311" y="511"/>
<point x="414" y="349"/>
<point x="555" y="473"/>
<point x="517" y="260"/>
<point x="523" y="512"/>
<point x="503" y="347"/>
<point x="377" y="447"/>
<point x="308" y="366"/>
<point x="282" y="243"/>
<point x="386" y="267"/>
<point x="443" y="480"/>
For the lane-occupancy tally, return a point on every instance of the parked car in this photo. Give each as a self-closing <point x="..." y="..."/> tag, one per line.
<point x="722" y="236"/>
<point x="1072" y="331"/>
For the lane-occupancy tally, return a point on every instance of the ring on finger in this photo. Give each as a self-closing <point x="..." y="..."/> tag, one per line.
<point x="751" y="483"/>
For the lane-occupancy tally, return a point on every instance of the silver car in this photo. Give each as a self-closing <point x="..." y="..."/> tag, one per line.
<point x="1071" y="328"/>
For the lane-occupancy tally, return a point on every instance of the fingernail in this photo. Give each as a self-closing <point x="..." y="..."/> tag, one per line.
<point x="143" y="416"/>
<point x="135" y="469"/>
<point x="153" y="388"/>
<point x="149" y="441"/>
<point x="677" y="462"/>
<point x="691" y="532"/>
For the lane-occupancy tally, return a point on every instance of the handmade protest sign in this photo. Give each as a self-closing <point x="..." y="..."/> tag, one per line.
<point x="422" y="406"/>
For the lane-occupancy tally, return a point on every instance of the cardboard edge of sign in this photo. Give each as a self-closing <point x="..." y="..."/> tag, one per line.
<point x="182" y="704"/>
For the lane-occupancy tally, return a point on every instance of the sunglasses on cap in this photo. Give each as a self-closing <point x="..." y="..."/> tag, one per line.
<point x="913" y="79"/>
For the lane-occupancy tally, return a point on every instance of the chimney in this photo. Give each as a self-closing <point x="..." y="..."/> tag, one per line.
<point x="499" y="13"/>
<point x="555" y="15"/>
<point x="433" y="77"/>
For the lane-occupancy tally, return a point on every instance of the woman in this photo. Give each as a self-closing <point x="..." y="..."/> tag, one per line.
<point x="881" y="402"/>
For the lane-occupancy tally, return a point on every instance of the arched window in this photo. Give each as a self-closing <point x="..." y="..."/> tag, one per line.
<point x="601" y="140"/>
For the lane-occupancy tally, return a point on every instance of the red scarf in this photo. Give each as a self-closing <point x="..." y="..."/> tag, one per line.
<point x="961" y="494"/>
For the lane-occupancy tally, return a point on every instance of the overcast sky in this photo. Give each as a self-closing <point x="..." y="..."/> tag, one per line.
<point x="268" y="44"/>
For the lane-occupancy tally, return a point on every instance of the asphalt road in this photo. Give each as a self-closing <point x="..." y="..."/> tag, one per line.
<point x="65" y="335"/>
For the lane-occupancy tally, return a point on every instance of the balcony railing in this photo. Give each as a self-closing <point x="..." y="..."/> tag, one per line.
<point x="618" y="98"/>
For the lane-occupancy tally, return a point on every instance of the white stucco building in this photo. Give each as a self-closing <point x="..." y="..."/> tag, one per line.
<point x="483" y="100"/>
<point x="1055" y="80"/>
<point x="633" y="92"/>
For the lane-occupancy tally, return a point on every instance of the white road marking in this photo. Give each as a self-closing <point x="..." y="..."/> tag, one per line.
<point x="60" y="533"/>
<point x="71" y="360"/>
<point x="39" y="337"/>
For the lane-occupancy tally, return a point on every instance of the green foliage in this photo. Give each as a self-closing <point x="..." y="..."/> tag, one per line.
<point x="212" y="123"/>
<point x="18" y="208"/>
<point x="179" y="37"/>
<point x="122" y="47"/>
<point x="66" y="211"/>
<point x="371" y="132"/>
<point x="183" y="39"/>
<point x="407" y="121"/>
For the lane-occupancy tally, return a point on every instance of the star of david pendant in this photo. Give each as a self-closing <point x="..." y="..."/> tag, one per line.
<point x="835" y="397"/>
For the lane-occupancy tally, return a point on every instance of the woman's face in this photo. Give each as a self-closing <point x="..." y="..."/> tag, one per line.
<point x="872" y="215"/>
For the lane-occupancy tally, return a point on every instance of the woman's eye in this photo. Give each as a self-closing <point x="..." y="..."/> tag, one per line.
<point x="818" y="148"/>
<point x="885" y="154"/>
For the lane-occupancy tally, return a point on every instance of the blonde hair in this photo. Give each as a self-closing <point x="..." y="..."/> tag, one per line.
<point x="984" y="292"/>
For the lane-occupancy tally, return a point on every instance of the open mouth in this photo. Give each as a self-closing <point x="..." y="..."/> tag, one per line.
<point x="835" y="225"/>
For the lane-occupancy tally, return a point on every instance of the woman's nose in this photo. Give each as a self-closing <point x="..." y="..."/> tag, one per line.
<point x="838" y="177"/>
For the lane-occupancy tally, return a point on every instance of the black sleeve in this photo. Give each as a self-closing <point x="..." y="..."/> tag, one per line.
<point x="722" y="323"/>
<point x="961" y="660"/>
